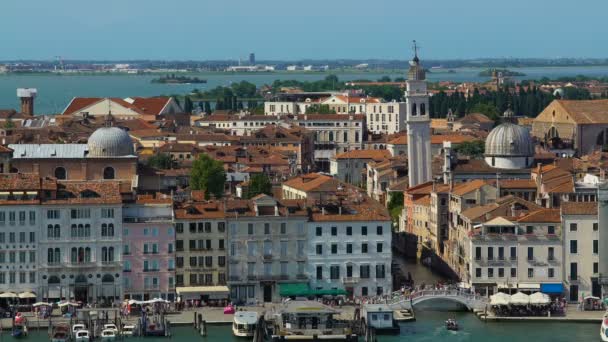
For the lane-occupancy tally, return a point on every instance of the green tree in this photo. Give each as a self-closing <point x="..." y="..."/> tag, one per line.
<point x="161" y="161"/>
<point x="487" y="109"/>
<point x="188" y="104"/>
<point x="395" y="205"/>
<point x="8" y="124"/>
<point x="207" y="107"/>
<point x="259" y="184"/>
<point x="208" y="175"/>
<point x="384" y="79"/>
<point x="473" y="149"/>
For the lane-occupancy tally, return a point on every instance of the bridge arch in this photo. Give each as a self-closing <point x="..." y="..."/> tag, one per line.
<point x="456" y="299"/>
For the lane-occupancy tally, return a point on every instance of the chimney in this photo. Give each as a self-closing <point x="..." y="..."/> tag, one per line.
<point x="27" y="95"/>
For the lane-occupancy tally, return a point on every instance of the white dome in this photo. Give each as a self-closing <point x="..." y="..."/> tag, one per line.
<point x="509" y="146"/>
<point x="110" y="142"/>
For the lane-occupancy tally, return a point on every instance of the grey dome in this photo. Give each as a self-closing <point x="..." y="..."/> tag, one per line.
<point x="509" y="140"/>
<point x="110" y="142"/>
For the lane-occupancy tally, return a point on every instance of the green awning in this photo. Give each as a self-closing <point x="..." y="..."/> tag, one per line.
<point x="329" y="292"/>
<point x="294" y="289"/>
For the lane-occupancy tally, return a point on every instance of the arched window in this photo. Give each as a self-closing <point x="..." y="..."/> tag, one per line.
<point x="108" y="173"/>
<point x="422" y="109"/>
<point x="331" y="136"/>
<point x="345" y="136"/>
<point x="73" y="231"/>
<point x="61" y="173"/>
<point x="87" y="254"/>
<point x="87" y="230"/>
<point x="104" y="229"/>
<point x="104" y="254"/>
<point x="50" y="232"/>
<point x="80" y="230"/>
<point x="107" y="278"/>
<point x="57" y="255"/>
<point x="50" y="256"/>
<point x="80" y="254"/>
<point x="74" y="255"/>
<point x="80" y="279"/>
<point x="57" y="229"/>
<point x="54" y="280"/>
<point x="111" y="254"/>
<point x="111" y="229"/>
<point x="356" y="136"/>
<point x="414" y="111"/>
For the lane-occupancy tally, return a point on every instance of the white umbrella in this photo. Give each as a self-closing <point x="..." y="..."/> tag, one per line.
<point x="500" y="299"/>
<point x="540" y="298"/>
<point x="520" y="299"/>
<point x="591" y="297"/>
<point x="41" y="304"/>
<point x="27" y="295"/>
<point x="8" y="295"/>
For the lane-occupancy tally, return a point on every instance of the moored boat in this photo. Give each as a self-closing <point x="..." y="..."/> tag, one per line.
<point x="60" y="333"/>
<point x="128" y="330"/>
<point x="604" y="328"/>
<point x="82" y="335"/>
<point x="244" y="323"/>
<point x="108" y="335"/>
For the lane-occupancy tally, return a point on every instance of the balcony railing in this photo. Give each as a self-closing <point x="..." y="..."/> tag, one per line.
<point x="350" y="280"/>
<point x="267" y="256"/>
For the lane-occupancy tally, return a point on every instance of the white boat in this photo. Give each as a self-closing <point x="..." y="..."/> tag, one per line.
<point x="604" y="328"/>
<point x="128" y="330"/>
<point x="108" y="335"/>
<point x="110" y="326"/>
<point x="82" y="335"/>
<point x="244" y="323"/>
<point x="78" y="327"/>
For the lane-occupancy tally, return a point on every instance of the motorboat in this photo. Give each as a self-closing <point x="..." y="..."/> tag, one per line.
<point x="108" y="335"/>
<point x="110" y="326"/>
<point x="244" y="323"/>
<point x="451" y="324"/>
<point x="604" y="328"/>
<point x="60" y="333"/>
<point x="77" y="327"/>
<point x="128" y="330"/>
<point x="82" y="335"/>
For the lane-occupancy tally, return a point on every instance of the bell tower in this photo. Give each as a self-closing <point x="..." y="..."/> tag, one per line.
<point x="418" y="123"/>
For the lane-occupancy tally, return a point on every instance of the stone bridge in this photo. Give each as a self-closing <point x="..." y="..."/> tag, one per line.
<point x="470" y="300"/>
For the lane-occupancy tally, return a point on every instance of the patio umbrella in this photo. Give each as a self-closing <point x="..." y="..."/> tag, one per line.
<point x="539" y="298"/>
<point x="500" y="299"/>
<point x="8" y="295"/>
<point x="591" y="297"/>
<point x="27" y="295"/>
<point x="520" y="299"/>
<point x="41" y="304"/>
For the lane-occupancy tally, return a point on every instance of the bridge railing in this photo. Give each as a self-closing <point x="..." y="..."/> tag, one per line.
<point x="397" y="297"/>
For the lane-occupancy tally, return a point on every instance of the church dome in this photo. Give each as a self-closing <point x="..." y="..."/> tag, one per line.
<point x="110" y="142"/>
<point x="509" y="146"/>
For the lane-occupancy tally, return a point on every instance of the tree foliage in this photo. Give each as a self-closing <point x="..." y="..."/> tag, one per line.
<point x="259" y="184"/>
<point x="395" y="205"/>
<point x="188" y="106"/>
<point x="208" y="175"/>
<point x="473" y="149"/>
<point x="161" y="161"/>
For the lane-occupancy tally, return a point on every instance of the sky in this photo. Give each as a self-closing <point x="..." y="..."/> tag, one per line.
<point x="294" y="30"/>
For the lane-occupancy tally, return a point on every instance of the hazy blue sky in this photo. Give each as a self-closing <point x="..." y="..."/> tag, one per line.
<point x="289" y="29"/>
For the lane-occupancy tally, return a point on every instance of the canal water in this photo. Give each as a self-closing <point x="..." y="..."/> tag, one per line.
<point x="429" y="326"/>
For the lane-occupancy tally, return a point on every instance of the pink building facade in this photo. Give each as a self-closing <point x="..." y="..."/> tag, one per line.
<point x="149" y="250"/>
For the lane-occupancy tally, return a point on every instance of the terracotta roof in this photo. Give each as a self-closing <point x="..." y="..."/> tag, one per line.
<point x="78" y="103"/>
<point x="542" y="216"/>
<point x="199" y="210"/>
<point x="586" y="112"/>
<point x="436" y="139"/>
<point x="313" y="182"/>
<point x="141" y="105"/>
<point x="517" y="184"/>
<point x="579" y="208"/>
<point x="365" y="154"/>
<point x="19" y="181"/>
<point x="150" y="105"/>
<point x="89" y="192"/>
<point x="466" y="187"/>
<point x="475" y="118"/>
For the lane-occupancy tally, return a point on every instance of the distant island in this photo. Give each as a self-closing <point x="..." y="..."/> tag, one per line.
<point x="173" y="79"/>
<point x="505" y="72"/>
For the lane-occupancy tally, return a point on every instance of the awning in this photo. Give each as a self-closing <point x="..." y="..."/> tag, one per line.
<point x="32" y="193"/>
<point x="555" y="288"/>
<point x="294" y="289"/>
<point x="329" y="292"/>
<point x="216" y="290"/>
<point x="506" y="286"/>
<point x="528" y="286"/>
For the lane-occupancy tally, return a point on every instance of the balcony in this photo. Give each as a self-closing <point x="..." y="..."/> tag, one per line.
<point x="267" y="256"/>
<point x="573" y="278"/>
<point x="54" y="265"/>
<point x="89" y="264"/>
<point x="151" y="270"/>
<point x="350" y="280"/>
<point x="110" y="264"/>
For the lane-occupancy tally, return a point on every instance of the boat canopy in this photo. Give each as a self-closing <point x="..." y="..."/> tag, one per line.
<point x="246" y="317"/>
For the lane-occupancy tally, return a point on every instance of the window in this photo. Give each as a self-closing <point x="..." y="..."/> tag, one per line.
<point x="83" y="213"/>
<point x="379" y="247"/>
<point x="595" y="246"/>
<point x="573" y="227"/>
<point x="301" y="245"/>
<point x="319" y="272"/>
<point x="513" y="272"/>
<point x="573" y="246"/>
<point x="490" y="253"/>
<point x="530" y="273"/>
<point x="501" y="272"/>
<point x="364" y="230"/>
<point x="349" y="248"/>
<point x="108" y="173"/>
<point x="283" y="246"/>
<point x="477" y="253"/>
<point x="334" y="272"/>
<point x="551" y="272"/>
<point x="379" y="230"/>
<point x="573" y="271"/>
<point x="334" y="248"/>
<point x="380" y="272"/>
<point x="50" y="214"/>
<point x="596" y="268"/>
<point x="530" y="253"/>
<point x="60" y="173"/>
<point x="107" y="212"/>
<point x="364" y="248"/>
<point x="283" y="228"/>
<point x="319" y="249"/>
<point x="551" y="230"/>
<point x="490" y="272"/>
<point x="349" y="230"/>
<point x="550" y="253"/>
<point x="595" y="227"/>
<point x="529" y="229"/>
<point x="478" y="272"/>
<point x="501" y="253"/>
<point x="266" y="228"/>
<point x="319" y="231"/>
<point x="334" y="231"/>
<point x="364" y="271"/>
<point x="250" y="228"/>
<point x="513" y="253"/>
